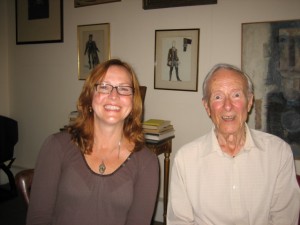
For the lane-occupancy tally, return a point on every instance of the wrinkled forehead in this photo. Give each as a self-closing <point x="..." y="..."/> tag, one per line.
<point x="227" y="77"/>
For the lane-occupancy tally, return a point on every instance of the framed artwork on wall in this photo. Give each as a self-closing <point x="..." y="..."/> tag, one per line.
<point x="156" y="4"/>
<point x="176" y="59"/>
<point x="82" y="3"/>
<point x="93" y="47"/>
<point x="271" y="57"/>
<point x="39" y="22"/>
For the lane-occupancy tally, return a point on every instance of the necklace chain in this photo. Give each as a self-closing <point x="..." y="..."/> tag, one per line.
<point x="102" y="166"/>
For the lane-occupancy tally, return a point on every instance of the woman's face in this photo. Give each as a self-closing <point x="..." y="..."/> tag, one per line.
<point x="113" y="108"/>
<point x="229" y="102"/>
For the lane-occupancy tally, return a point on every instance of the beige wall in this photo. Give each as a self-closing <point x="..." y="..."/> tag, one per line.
<point x="42" y="78"/>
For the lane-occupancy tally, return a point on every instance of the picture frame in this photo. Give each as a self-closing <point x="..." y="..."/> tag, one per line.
<point x="271" y="57"/>
<point x="185" y="57"/>
<point x="39" y="23"/>
<point x="93" y="47"/>
<point x="82" y="3"/>
<point x="156" y="4"/>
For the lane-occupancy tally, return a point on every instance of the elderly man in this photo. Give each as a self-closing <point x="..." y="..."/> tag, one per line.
<point x="234" y="174"/>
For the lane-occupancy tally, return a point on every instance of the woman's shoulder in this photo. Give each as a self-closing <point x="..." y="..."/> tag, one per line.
<point x="59" y="137"/>
<point x="60" y="141"/>
<point x="145" y="152"/>
<point x="58" y="145"/>
<point x="145" y="156"/>
<point x="144" y="160"/>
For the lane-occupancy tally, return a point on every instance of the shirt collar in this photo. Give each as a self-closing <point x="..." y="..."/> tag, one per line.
<point x="251" y="140"/>
<point x="249" y="144"/>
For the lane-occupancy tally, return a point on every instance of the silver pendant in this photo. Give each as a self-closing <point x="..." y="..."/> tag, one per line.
<point x="102" y="168"/>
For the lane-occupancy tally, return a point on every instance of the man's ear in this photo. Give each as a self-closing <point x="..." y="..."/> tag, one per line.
<point x="250" y="102"/>
<point x="206" y="106"/>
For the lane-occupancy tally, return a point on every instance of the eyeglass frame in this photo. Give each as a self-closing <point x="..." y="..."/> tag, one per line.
<point x="114" y="87"/>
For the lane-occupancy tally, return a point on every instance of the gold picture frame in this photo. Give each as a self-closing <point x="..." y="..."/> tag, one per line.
<point x="93" y="47"/>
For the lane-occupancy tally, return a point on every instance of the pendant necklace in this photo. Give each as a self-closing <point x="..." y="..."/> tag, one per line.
<point x="102" y="166"/>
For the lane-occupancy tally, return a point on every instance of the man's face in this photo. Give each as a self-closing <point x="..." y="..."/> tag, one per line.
<point x="228" y="101"/>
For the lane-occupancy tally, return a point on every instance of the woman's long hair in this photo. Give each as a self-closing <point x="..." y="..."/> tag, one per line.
<point x="82" y="129"/>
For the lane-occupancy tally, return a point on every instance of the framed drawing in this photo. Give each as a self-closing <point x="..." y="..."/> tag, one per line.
<point x="39" y="21"/>
<point x="271" y="57"/>
<point x="81" y="3"/>
<point x="93" y="47"/>
<point x="156" y="4"/>
<point x="176" y="59"/>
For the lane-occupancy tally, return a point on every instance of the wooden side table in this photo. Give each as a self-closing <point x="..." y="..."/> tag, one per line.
<point x="159" y="147"/>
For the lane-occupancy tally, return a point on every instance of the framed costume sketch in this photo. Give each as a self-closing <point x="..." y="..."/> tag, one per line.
<point x="93" y="47"/>
<point x="176" y="59"/>
<point x="271" y="57"/>
<point x="39" y="22"/>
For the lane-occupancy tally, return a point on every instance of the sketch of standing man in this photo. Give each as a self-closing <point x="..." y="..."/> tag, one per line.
<point x="173" y="61"/>
<point x="92" y="49"/>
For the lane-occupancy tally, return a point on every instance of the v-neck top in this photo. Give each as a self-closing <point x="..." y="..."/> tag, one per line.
<point x="107" y="174"/>
<point x="66" y="191"/>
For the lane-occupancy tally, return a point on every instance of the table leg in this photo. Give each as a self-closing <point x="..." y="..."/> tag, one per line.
<point x="166" y="184"/>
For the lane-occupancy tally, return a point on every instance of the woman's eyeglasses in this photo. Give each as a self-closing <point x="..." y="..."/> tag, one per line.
<point x="104" y="88"/>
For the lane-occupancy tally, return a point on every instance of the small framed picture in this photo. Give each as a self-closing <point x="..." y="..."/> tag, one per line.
<point x="93" y="47"/>
<point x="176" y="59"/>
<point x="82" y="3"/>
<point x="39" y="21"/>
<point x="157" y="4"/>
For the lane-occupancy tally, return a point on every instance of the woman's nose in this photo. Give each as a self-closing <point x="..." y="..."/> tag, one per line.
<point x="114" y="93"/>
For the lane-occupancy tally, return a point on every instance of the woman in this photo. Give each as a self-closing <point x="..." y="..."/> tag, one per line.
<point x="99" y="172"/>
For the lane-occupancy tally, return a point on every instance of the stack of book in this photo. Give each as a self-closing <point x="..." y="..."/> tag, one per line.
<point x="158" y="129"/>
<point x="72" y="116"/>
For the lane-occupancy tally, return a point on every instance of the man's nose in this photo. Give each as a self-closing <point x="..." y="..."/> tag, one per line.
<point x="228" y="104"/>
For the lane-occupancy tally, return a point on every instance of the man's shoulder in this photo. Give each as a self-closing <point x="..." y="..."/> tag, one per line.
<point x="196" y="144"/>
<point x="267" y="141"/>
<point x="265" y="136"/>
